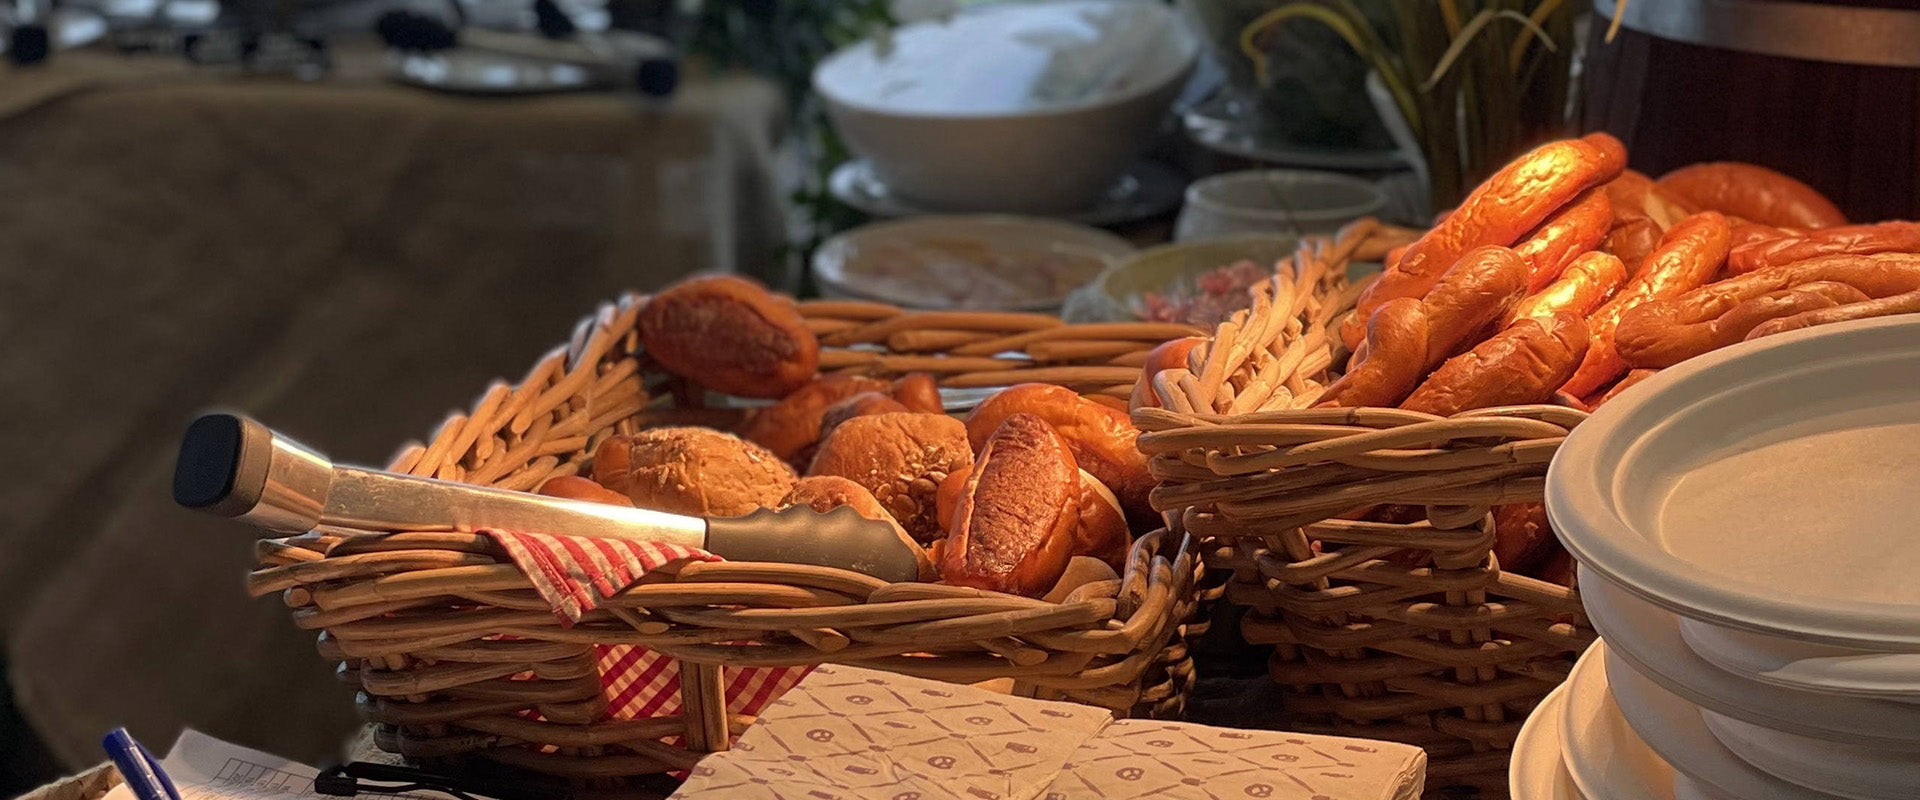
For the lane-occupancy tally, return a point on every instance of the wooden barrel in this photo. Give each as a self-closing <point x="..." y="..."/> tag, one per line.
<point x="1828" y="92"/>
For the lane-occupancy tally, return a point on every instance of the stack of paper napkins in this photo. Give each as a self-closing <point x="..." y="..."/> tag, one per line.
<point x="854" y="734"/>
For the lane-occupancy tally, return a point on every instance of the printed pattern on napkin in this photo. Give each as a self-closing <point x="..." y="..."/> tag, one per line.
<point x="574" y="573"/>
<point x="849" y="733"/>
<point x="1138" y="759"/>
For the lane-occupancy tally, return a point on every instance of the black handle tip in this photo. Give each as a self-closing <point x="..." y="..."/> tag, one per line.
<point x="209" y="461"/>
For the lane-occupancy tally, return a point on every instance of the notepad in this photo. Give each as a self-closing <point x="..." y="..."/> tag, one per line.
<point x="205" y="768"/>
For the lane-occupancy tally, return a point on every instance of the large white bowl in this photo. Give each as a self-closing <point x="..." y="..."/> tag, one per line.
<point x="1023" y="107"/>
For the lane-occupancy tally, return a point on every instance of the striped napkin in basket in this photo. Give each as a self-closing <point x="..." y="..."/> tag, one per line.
<point x="574" y="573"/>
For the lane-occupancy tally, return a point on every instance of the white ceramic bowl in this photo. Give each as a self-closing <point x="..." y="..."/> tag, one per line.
<point x="1674" y="729"/>
<point x="1275" y="202"/>
<point x="966" y="262"/>
<point x="1033" y="107"/>
<point x="1867" y="773"/>
<point x="1767" y="487"/>
<point x="1648" y="637"/>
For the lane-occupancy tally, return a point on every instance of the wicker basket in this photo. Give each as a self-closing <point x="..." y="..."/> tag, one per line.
<point x="455" y="654"/>
<point x="1446" y="652"/>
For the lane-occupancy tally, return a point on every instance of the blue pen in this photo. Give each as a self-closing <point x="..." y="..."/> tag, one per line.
<point x="140" y="769"/>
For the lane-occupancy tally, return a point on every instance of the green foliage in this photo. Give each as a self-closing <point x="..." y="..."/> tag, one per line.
<point x="1478" y="81"/>
<point x="783" y="40"/>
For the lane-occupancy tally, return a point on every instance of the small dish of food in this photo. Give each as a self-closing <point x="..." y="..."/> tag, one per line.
<point x="993" y="262"/>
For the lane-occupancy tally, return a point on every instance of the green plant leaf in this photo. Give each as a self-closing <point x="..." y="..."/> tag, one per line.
<point x="1473" y="29"/>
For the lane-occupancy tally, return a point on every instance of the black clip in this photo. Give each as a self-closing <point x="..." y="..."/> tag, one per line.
<point x="354" y="778"/>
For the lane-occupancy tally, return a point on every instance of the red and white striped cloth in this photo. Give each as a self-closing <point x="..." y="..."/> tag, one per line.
<point x="574" y="573"/>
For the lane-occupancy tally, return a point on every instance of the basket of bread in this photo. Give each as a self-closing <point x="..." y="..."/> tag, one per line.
<point x="1383" y="519"/>
<point x="994" y="447"/>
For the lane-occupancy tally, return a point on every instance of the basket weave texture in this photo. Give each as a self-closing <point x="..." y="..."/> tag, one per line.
<point x="454" y="654"/>
<point x="1402" y="631"/>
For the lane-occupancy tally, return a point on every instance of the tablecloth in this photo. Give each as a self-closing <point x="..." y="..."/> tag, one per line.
<point x="344" y="259"/>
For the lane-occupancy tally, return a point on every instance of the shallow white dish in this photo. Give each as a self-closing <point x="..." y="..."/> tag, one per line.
<point x="1856" y="771"/>
<point x="1673" y="728"/>
<point x="967" y="262"/>
<point x="1604" y="758"/>
<point x="1032" y="107"/>
<point x="1648" y="637"/>
<point x="1538" y="772"/>
<point x="1765" y="487"/>
<point x="1147" y="189"/>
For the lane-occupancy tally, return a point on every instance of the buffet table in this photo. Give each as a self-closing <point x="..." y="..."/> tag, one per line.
<point x="347" y="257"/>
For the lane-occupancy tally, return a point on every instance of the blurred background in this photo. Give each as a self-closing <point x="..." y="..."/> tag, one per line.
<point x="347" y="216"/>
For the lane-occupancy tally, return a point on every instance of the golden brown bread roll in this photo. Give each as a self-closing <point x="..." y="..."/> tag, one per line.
<point x="1103" y="440"/>
<point x="791" y="428"/>
<point x="1395" y="358"/>
<point x="825" y="493"/>
<point x="864" y="404"/>
<point x="1522" y="537"/>
<point x="901" y="459"/>
<point x="1523" y="364"/>
<point x="1018" y="520"/>
<point x="918" y="392"/>
<point x="574" y="487"/>
<point x="1171" y="354"/>
<point x="730" y="335"/>
<point x="695" y="471"/>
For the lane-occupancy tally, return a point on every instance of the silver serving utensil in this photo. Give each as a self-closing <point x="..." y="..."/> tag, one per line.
<point x="234" y="467"/>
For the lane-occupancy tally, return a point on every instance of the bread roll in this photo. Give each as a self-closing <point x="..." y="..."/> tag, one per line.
<point x="791" y="428"/>
<point x="1019" y="518"/>
<point x="864" y="404"/>
<point x="918" y="392"/>
<point x="1103" y="440"/>
<point x="1522" y="537"/>
<point x="901" y="458"/>
<point x="574" y="487"/>
<point x="825" y="493"/>
<point x="730" y="335"/>
<point x="1523" y="364"/>
<point x="695" y="471"/>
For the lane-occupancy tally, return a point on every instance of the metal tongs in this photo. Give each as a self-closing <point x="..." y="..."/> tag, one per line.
<point x="235" y="467"/>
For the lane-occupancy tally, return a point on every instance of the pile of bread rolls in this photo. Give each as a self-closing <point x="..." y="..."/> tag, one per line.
<point x="1567" y="277"/>
<point x="1564" y="278"/>
<point x="1036" y="479"/>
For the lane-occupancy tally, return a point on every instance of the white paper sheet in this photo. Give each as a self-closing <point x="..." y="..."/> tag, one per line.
<point x="205" y="768"/>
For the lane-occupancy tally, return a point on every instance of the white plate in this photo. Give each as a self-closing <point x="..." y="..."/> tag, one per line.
<point x="1604" y="758"/>
<point x="1148" y="190"/>
<point x="1818" y="668"/>
<point x="1766" y="487"/>
<point x="1868" y="773"/>
<point x="1649" y="637"/>
<point x="980" y="261"/>
<point x="470" y="71"/>
<point x="1538" y="772"/>
<point x="1673" y="728"/>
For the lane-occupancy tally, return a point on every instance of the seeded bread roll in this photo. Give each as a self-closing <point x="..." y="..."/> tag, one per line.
<point x="694" y="471"/>
<point x="901" y="458"/>
<point x="825" y="493"/>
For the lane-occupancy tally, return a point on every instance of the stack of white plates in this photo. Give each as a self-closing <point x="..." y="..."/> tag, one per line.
<point x="1745" y="526"/>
